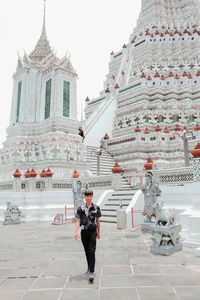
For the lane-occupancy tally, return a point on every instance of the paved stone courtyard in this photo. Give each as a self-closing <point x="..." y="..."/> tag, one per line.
<point x="43" y="261"/>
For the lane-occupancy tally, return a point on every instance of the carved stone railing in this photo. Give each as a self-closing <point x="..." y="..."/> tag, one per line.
<point x="102" y="182"/>
<point x="175" y="176"/>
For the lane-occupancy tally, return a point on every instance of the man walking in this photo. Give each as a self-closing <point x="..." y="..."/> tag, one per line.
<point x="88" y="218"/>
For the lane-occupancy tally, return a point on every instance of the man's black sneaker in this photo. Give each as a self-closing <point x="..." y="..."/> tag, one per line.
<point x="91" y="277"/>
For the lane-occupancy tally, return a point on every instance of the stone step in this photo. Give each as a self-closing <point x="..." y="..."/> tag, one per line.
<point x="109" y="216"/>
<point x="105" y="220"/>
<point x="114" y="205"/>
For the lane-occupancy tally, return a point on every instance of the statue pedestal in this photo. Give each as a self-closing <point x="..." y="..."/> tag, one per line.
<point x="147" y="226"/>
<point x="166" y="239"/>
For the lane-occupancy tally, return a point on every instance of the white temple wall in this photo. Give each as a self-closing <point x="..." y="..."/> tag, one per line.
<point x="102" y="125"/>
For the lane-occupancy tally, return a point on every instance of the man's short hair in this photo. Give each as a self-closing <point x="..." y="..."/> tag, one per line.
<point x="88" y="193"/>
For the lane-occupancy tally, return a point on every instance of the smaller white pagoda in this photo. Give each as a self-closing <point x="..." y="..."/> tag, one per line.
<point x="43" y="131"/>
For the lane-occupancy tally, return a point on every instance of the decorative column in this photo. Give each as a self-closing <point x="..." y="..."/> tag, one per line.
<point x="116" y="177"/>
<point x="77" y="190"/>
<point x="48" y="180"/>
<point x="196" y="162"/>
<point x="17" y="181"/>
<point x="32" y="181"/>
<point x="43" y="176"/>
<point x="28" y="183"/>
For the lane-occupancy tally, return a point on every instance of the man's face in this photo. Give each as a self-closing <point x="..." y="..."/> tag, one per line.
<point x="88" y="198"/>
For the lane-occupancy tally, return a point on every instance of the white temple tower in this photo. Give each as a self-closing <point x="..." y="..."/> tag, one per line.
<point x="155" y="82"/>
<point x="43" y="129"/>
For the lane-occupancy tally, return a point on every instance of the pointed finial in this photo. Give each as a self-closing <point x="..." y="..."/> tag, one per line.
<point x="44" y="20"/>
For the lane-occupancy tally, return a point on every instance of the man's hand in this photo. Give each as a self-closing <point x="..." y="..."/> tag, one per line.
<point x="76" y="236"/>
<point x="98" y="236"/>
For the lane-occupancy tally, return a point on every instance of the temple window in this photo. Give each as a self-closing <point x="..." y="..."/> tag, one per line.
<point x="19" y="91"/>
<point x="47" y="99"/>
<point x="66" y="98"/>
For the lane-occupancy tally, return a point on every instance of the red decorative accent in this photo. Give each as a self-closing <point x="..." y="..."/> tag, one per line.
<point x="146" y="131"/>
<point x="143" y="75"/>
<point x="106" y="137"/>
<point x="198" y="73"/>
<point x="87" y="99"/>
<point x="161" y="35"/>
<point x="116" y="169"/>
<point x="166" y="32"/>
<point x="185" y="74"/>
<point x="49" y="173"/>
<point x="117" y="86"/>
<point x="43" y="174"/>
<point x="196" y="151"/>
<point x="158" y="128"/>
<point x="157" y="75"/>
<point x="162" y="77"/>
<point x="171" y="74"/>
<point x="33" y="173"/>
<point x="147" y="33"/>
<point x="137" y="129"/>
<point x="157" y="33"/>
<point x="176" y="32"/>
<point x="177" y="128"/>
<point x="124" y="46"/>
<point x="151" y="35"/>
<point x="76" y="174"/>
<point x="190" y="76"/>
<point x="180" y="33"/>
<point x="17" y="174"/>
<point x="166" y="130"/>
<point x="197" y="127"/>
<point x="149" y="165"/>
<point x="177" y="77"/>
<point x="27" y="174"/>
<point x="149" y="78"/>
<point x="171" y="34"/>
<point x="107" y="90"/>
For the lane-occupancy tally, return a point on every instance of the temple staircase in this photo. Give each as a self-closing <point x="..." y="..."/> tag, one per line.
<point x="105" y="159"/>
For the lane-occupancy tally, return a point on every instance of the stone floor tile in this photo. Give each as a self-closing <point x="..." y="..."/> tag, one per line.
<point x="148" y="269"/>
<point x="60" y="271"/>
<point x="49" y="282"/>
<point x="119" y="294"/>
<point x="117" y="281"/>
<point x="156" y="293"/>
<point x="10" y="295"/>
<point x="17" y="284"/>
<point x="188" y="293"/>
<point x="116" y="270"/>
<point x="42" y="295"/>
<point x="149" y="280"/>
<point x="182" y="280"/>
<point x="81" y="294"/>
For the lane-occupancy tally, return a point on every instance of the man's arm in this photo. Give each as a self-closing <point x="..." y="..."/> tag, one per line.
<point x="98" y="228"/>
<point x="76" y="229"/>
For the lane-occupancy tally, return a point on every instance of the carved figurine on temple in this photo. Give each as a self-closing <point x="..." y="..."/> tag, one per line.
<point x="151" y="191"/>
<point x="77" y="194"/>
<point x="12" y="214"/>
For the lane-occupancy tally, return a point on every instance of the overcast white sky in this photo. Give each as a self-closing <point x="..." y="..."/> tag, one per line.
<point x="88" y="29"/>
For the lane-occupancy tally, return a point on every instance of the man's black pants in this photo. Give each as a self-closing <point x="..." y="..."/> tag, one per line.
<point x="88" y="239"/>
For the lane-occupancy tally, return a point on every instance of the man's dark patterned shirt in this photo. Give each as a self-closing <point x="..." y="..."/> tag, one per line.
<point x="88" y="216"/>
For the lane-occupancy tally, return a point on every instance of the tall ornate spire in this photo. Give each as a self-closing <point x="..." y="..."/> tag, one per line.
<point x="44" y="20"/>
<point x="42" y="48"/>
<point x="178" y="14"/>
